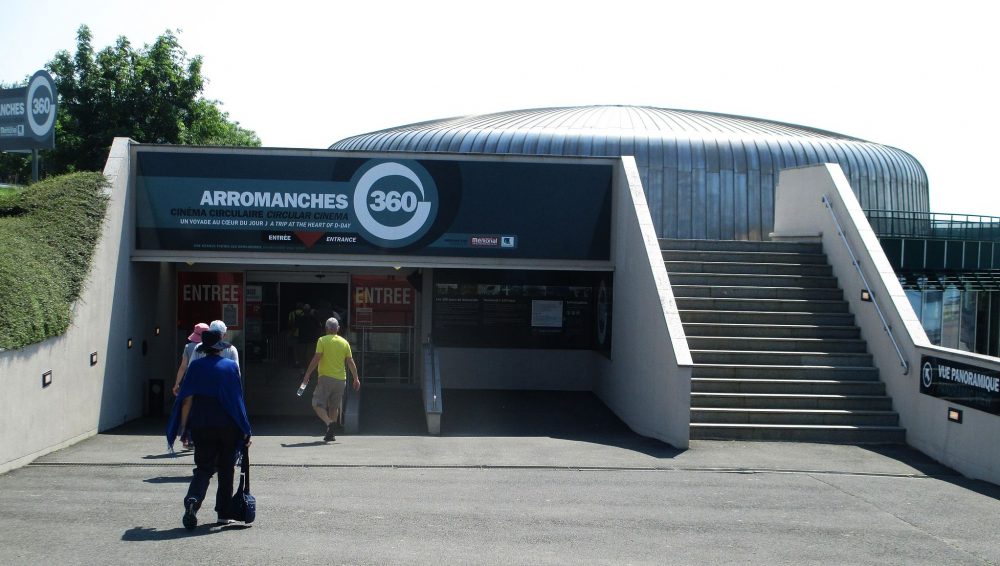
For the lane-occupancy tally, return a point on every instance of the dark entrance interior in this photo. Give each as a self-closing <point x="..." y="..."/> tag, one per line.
<point x="281" y="338"/>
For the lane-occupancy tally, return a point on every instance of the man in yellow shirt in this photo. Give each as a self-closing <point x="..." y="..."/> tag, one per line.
<point x="333" y="358"/>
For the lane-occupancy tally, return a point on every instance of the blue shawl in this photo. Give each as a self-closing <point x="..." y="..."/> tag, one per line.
<point x="211" y="376"/>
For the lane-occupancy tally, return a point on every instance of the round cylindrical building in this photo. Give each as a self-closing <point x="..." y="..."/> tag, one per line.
<point x="706" y="175"/>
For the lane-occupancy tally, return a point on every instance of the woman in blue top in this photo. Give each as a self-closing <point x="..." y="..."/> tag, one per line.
<point x="217" y="418"/>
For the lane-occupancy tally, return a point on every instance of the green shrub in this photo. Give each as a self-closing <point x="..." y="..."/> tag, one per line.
<point x="48" y="233"/>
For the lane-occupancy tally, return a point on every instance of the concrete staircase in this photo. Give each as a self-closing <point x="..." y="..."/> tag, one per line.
<point x="776" y="353"/>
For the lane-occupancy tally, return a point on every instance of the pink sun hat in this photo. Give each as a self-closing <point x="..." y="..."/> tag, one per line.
<point x="198" y="329"/>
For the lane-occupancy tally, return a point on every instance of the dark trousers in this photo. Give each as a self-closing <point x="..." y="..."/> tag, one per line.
<point x="215" y="448"/>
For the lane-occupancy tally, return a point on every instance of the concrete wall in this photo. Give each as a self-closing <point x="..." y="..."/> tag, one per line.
<point x="85" y="399"/>
<point x="647" y="381"/>
<point x="969" y="447"/>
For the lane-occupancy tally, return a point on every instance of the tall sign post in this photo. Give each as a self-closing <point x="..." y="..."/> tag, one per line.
<point x="28" y="118"/>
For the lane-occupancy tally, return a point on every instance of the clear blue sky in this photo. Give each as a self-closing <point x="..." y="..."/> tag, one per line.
<point x="915" y="75"/>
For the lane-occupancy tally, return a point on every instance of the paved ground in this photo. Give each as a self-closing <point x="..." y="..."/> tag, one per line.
<point x="573" y="492"/>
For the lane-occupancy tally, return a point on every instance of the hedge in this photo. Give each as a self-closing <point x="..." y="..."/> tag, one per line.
<point x="48" y="233"/>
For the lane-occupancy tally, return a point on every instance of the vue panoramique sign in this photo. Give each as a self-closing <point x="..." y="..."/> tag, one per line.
<point x="960" y="383"/>
<point x="28" y="115"/>
<point x="285" y="202"/>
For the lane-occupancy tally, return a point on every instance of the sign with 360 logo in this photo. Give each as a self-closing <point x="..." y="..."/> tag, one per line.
<point x="28" y="115"/>
<point x="395" y="202"/>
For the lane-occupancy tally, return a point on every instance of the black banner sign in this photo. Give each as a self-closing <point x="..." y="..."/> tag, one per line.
<point x="959" y="383"/>
<point x="273" y="201"/>
<point x="28" y="115"/>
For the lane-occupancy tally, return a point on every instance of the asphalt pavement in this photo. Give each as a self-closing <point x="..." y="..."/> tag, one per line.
<point x="501" y="486"/>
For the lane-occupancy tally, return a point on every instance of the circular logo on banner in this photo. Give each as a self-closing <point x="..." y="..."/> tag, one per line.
<point x="395" y="202"/>
<point x="41" y="104"/>
<point x="927" y="375"/>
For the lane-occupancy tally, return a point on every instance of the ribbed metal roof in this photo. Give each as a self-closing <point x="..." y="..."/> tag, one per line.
<point x="493" y="133"/>
<point x="706" y="175"/>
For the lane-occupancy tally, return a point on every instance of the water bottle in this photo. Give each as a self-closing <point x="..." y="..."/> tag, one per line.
<point x="302" y="389"/>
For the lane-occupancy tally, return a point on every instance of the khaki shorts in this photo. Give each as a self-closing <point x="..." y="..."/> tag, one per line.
<point x="329" y="392"/>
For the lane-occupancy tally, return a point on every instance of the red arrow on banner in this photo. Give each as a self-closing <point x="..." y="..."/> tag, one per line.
<point x="309" y="238"/>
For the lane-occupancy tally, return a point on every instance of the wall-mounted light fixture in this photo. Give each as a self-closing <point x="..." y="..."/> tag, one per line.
<point x="129" y="343"/>
<point x="46" y="379"/>
<point x="93" y="358"/>
<point x="156" y="331"/>
<point x="866" y="295"/>
<point x="955" y="415"/>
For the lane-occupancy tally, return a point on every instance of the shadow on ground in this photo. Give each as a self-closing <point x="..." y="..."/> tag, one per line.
<point x="150" y="534"/>
<point x="398" y="411"/>
<point x="568" y="415"/>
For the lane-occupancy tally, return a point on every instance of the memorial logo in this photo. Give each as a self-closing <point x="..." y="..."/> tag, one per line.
<point x="395" y="202"/>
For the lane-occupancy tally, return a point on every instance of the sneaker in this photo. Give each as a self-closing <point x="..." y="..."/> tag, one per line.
<point x="190" y="513"/>
<point x="223" y="521"/>
<point x="329" y="433"/>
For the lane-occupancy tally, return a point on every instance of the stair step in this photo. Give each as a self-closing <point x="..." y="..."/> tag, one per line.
<point x="762" y="344"/>
<point x="678" y="277"/>
<point x="770" y="330"/>
<point x="703" y="400"/>
<point x="800" y="433"/>
<point x="761" y="317"/>
<point x="739" y="268"/>
<point x="761" y="305"/>
<point x="760" y="371"/>
<point x="750" y="292"/>
<point x="794" y="417"/>
<point x="776" y="353"/>
<point x="780" y="358"/>
<point x="740" y="245"/>
<point x="743" y="256"/>
<point x="787" y="386"/>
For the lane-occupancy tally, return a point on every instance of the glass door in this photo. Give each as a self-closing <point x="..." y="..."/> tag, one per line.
<point x="383" y="311"/>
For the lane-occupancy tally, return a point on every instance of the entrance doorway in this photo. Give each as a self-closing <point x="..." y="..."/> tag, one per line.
<point x="285" y="313"/>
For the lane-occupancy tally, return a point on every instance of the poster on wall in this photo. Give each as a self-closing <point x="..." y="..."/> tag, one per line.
<point x="963" y="384"/>
<point x="385" y="302"/>
<point x="547" y="314"/>
<point x="204" y="296"/>
<point x="254" y="295"/>
<point x="191" y="200"/>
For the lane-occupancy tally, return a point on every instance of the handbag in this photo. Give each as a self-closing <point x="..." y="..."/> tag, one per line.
<point x="243" y="506"/>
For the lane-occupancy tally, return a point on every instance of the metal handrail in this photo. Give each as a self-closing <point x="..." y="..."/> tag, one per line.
<point x="864" y="280"/>
<point x="432" y="389"/>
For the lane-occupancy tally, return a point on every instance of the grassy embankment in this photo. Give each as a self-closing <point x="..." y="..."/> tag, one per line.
<point x="48" y="232"/>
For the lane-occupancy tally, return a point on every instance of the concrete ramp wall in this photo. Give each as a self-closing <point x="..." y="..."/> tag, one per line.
<point x="800" y="213"/>
<point x="647" y="381"/>
<point x="84" y="399"/>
